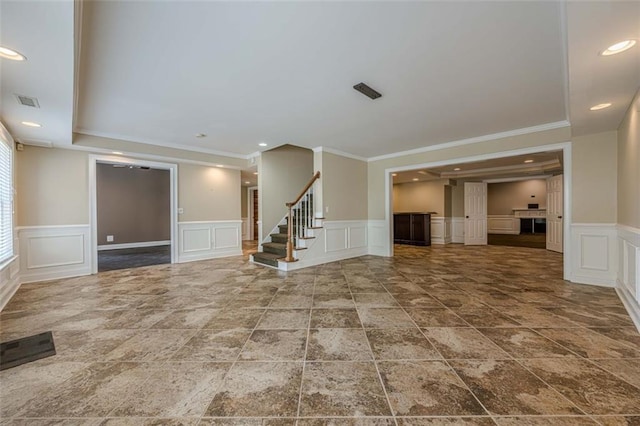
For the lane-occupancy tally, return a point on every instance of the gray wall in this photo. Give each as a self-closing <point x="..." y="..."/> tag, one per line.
<point x="429" y="196"/>
<point x="133" y="204"/>
<point x="344" y="187"/>
<point x="502" y="198"/>
<point x="287" y="170"/>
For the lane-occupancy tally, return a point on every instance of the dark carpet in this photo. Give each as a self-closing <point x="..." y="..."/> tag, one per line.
<point x="522" y="240"/>
<point x="110" y="260"/>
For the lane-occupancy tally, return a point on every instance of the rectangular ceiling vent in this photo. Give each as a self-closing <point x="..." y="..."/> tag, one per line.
<point x="28" y="101"/>
<point x="367" y="91"/>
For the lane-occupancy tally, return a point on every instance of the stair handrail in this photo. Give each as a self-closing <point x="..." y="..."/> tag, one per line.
<point x="290" y="205"/>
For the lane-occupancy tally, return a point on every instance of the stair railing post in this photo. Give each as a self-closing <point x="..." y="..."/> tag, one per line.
<point x="289" y="257"/>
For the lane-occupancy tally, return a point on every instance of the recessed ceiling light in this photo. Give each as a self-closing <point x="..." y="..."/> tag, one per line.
<point x="31" y="124"/>
<point x="219" y="165"/>
<point x="528" y="161"/>
<point x="201" y="135"/>
<point x="116" y="152"/>
<point x="255" y="173"/>
<point x="394" y="174"/>
<point x="457" y="169"/>
<point x="7" y="53"/>
<point x="618" y="47"/>
<point x="600" y="106"/>
<point x="247" y="182"/>
<point x="415" y="179"/>
<point x="262" y="144"/>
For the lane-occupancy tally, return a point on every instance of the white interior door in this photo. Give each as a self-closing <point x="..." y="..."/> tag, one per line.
<point x="554" y="213"/>
<point x="475" y="211"/>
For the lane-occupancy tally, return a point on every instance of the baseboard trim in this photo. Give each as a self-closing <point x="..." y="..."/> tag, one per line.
<point x="630" y="305"/>
<point x="601" y="282"/>
<point x="134" y="245"/>
<point x="186" y="258"/>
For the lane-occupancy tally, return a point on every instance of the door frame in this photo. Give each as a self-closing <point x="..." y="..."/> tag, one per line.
<point x="565" y="147"/>
<point x="93" y="199"/>
<point x="251" y="190"/>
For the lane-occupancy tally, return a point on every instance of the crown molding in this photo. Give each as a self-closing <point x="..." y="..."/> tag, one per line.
<point x="474" y="140"/>
<point x="340" y="153"/>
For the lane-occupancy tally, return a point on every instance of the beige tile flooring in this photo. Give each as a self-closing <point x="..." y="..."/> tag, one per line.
<point x="435" y="335"/>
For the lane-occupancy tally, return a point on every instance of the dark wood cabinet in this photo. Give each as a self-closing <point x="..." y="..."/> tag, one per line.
<point x="412" y="228"/>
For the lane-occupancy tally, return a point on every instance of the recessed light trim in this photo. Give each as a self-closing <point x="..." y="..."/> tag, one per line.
<point x="415" y="179"/>
<point x="31" y="124"/>
<point x="11" y="54"/>
<point x="457" y="169"/>
<point x="528" y="161"/>
<point x="600" y="106"/>
<point x="618" y="47"/>
<point x="394" y="174"/>
<point x="220" y="165"/>
<point x="255" y="173"/>
<point x="116" y="152"/>
<point x="247" y="182"/>
<point x="262" y="144"/>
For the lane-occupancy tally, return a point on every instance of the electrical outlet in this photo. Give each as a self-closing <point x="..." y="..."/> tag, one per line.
<point x="326" y="209"/>
<point x="109" y="238"/>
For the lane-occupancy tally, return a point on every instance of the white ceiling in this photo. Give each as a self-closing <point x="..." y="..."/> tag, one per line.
<point x="282" y="72"/>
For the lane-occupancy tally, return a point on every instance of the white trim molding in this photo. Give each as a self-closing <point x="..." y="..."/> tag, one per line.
<point x="628" y="276"/>
<point x="440" y="230"/>
<point x="593" y="258"/>
<point x="52" y="252"/>
<point x="377" y="237"/>
<point x="503" y="224"/>
<point x="336" y="240"/>
<point x="134" y="245"/>
<point x="209" y="240"/>
<point x="457" y="230"/>
<point x="9" y="281"/>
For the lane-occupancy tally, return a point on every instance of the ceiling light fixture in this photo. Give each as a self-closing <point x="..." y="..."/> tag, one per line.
<point x="618" y="47"/>
<point x="116" y="152"/>
<point x="600" y="106"/>
<point x="457" y="169"/>
<point x="255" y="173"/>
<point x="201" y="135"/>
<point x="7" y="53"/>
<point x="262" y="144"/>
<point x="367" y="91"/>
<point x="394" y="174"/>
<point x="247" y="182"/>
<point x="31" y="124"/>
<point x="415" y="179"/>
<point x="528" y="161"/>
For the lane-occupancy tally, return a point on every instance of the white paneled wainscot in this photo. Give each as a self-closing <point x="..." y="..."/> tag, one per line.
<point x="503" y="224"/>
<point x="593" y="253"/>
<point x="629" y="270"/>
<point x="440" y="230"/>
<point x="378" y="237"/>
<point x="208" y="240"/>
<point x="9" y="280"/>
<point x="457" y="230"/>
<point x="51" y="252"/>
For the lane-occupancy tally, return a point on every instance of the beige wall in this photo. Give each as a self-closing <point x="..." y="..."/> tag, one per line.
<point x="133" y="204"/>
<point x="376" y="175"/>
<point x="594" y="161"/>
<point x="457" y="200"/>
<point x="208" y="193"/>
<point x="344" y="187"/>
<point x="244" y="191"/>
<point x="426" y="196"/>
<point x="628" y="178"/>
<point x="503" y="197"/>
<point x="52" y="187"/>
<point x="284" y="172"/>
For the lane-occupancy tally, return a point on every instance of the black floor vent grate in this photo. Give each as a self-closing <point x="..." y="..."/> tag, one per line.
<point x="20" y="351"/>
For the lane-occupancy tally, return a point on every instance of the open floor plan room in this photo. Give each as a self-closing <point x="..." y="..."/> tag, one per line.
<point x="434" y="335"/>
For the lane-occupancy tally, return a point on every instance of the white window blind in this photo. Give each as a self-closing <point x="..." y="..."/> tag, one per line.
<point x="6" y="201"/>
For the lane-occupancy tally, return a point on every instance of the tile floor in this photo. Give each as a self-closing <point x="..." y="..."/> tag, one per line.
<point x="436" y="335"/>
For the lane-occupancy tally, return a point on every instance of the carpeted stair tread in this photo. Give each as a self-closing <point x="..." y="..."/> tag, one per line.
<point x="276" y="248"/>
<point x="270" y="259"/>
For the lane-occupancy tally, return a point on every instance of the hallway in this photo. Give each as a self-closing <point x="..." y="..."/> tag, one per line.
<point x="435" y="335"/>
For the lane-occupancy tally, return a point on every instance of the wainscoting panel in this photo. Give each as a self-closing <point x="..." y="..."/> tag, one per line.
<point x="378" y="238"/>
<point x="457" y="230"/>
<point x="594" y="252"/>
<point x="337" y="240"/>
<point x="245" y="228"/>
<point x="440" y="230"/>
<point x="629" y="270"/>
<point x="9" y="281"/>
<point x="51" y="252"/>
<point x="209" y="240"/>
<point x="503" y="224"/>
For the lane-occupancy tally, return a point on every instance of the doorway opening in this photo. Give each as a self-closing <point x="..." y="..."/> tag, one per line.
<point x="249" y="198"/>
<point x="471" y="199"/>
<point x="133" y="212"/>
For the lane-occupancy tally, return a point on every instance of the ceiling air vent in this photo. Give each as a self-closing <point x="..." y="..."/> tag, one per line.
<point x="28" y="101"/>
<point x="367" y="91"/>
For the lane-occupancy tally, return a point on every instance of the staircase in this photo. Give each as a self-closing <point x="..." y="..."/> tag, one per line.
<point x="285" y="245"/>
